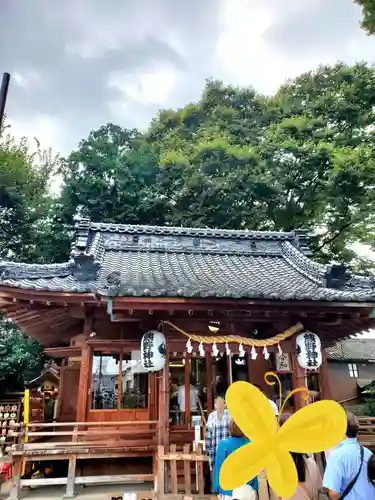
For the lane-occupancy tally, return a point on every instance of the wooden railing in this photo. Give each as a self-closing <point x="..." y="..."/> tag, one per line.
<point x="95" y="440"/>
<point x="366" y="434"/>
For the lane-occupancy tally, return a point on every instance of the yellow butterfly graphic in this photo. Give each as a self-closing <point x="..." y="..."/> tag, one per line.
<point x="312" y="429"/>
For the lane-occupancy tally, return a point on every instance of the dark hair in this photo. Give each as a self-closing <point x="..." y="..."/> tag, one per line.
<point x="298" y="458"/>
<point x="352" y="425"/>
<point x="371" y="469"/>
<point x="234" y="430"/>
<point x="219" y="396"/>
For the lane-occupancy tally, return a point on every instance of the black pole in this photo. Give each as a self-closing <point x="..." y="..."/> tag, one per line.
<point x="3" y="96"/>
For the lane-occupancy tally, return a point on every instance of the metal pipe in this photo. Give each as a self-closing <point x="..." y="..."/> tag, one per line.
<point x="3" y="96"/>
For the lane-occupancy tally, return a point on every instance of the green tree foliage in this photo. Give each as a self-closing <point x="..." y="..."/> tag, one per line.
<point x="24" y="199"/>
<point x="25" y="214"/>
<point x="21" y="361"/>
<point x="302" y="158"/>
<point x="110" y="176"/>
<point x="368" y="15"/>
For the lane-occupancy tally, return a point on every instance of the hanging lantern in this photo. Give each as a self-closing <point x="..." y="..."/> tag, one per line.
<point x="266" y="354"/>
<point x="189" y="346"/>
<point x="309" y="351"/>
<point x="153" y="351"/>
<point x="254" y="354"/>
<point x="215" y="350"/>
<point x="241" y="351"/>
<point x="201" y="350"/>
<point x="227" y="350"/>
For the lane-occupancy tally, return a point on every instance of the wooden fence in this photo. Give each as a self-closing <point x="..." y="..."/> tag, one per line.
<point x="181" y="473"/>
<point x="366" y="434"/>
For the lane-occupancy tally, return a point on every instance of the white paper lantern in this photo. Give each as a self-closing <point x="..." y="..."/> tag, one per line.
<point x="153" y="351"/>
<point x="309" y="351"/>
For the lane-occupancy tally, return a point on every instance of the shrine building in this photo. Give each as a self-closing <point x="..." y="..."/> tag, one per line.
<point x="231" y="305"/>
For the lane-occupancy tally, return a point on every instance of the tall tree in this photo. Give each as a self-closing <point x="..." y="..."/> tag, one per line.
<point x="21" y="360"/>
<point x="109" y="176"/>
<point x="24" y="214"/>
<point x="236" y="159"/>
<point x="368" y="15"/>
<point x="301" y="158"/>
<point x="24" y="197"/>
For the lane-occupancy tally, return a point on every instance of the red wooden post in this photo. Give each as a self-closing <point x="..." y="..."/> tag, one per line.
<point x="187" y="391"/>
<point x="298" y="378"/>
<point x="84" y="372"/>
<point x="325" y="387"/>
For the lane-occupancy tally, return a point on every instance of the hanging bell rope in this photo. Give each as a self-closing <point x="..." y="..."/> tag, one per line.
<point x="237" y="339"/>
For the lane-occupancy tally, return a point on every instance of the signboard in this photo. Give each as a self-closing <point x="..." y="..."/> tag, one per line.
<point x="36" y="411"/>
<point x="9" y="414"/>
<point x="283" y="363"/>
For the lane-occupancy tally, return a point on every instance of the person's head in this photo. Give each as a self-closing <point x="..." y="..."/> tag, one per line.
<point x="245" y="492"/>
<point x="352" y="425"/>
<point x="219" y="404"/>
<point x="234" y="430"/>
<point x="371" y="469"/>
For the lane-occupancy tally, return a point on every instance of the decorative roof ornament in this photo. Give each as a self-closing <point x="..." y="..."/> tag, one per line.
<point x="266" y="354"/>
<point x="337" y="276"/>
<point x="227" y="349"/>
<point x="254" y="354"/>
<point x="279" y="349"/>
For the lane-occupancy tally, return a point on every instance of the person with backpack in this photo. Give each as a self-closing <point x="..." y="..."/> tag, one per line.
<point x="346" y="475"/>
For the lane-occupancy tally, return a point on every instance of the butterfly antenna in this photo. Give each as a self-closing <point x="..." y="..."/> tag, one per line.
<point x="273" y="382"/>
<point x="291" y="394"/>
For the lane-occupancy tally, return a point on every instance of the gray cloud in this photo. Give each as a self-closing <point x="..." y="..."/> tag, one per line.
<point x="321" y="26"/>
<point x="85" y="62"/>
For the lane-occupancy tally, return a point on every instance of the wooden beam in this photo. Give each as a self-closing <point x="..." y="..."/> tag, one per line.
<point x="63" y="352"/>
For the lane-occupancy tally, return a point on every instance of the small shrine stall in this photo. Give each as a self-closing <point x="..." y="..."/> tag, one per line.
<point x="221" y="306"/>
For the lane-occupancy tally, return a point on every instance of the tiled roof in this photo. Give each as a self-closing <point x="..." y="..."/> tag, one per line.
<point x="352" y="350"/>
<point x="127" y="260"/>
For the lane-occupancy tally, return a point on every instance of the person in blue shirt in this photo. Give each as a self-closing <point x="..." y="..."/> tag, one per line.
<point x="226" y="447"/>
<point x="343" y="465"/>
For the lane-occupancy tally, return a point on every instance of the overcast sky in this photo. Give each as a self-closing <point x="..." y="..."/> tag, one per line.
<point x="77" y="64"/>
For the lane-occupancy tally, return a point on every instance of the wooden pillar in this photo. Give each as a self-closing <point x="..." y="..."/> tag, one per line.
<point x="163" y="406"/>
<point x="324" y="379"/>
<point x="249" y="367"/>
<point x="84" y="372"/>
<point x="187" y="391"/>
<point x="209" y="382"/>
<point x="298" y="379"/>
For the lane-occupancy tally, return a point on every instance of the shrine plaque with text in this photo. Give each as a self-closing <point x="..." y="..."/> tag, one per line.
<point x="283" y="364"/>
<point x="36" y="407"/>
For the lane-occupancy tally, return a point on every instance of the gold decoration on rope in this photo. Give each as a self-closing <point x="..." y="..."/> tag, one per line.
<point x="237" y="339"/>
